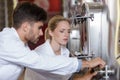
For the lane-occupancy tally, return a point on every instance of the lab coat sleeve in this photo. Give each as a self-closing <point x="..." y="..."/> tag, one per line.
<point x="20" y="55"/>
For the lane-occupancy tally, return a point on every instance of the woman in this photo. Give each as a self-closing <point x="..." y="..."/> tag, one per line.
<point x="57" y="35"/>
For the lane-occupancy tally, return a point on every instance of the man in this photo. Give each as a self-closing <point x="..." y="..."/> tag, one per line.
<point x="15" y="54"/>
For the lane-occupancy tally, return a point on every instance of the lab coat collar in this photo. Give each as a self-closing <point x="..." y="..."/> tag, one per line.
<point x="50" y="50"/>
<point x="16" y="34"/>
<point x="64" y="50"/>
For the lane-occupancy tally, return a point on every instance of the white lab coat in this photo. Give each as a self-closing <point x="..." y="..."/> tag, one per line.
<point x="15" y="55"/>
<point x="46" y="49"/>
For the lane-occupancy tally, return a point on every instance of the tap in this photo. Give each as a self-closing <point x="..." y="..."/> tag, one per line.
<point x="106" y="72"/>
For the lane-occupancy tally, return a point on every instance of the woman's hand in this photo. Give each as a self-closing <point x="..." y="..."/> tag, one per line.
<point x="87" y="76"/>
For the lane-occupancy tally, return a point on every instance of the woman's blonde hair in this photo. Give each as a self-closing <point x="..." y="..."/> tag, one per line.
<point x="52" y="24"/>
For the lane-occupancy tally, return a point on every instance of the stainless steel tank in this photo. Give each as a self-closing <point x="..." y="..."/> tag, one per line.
<point x="95" y="30"/>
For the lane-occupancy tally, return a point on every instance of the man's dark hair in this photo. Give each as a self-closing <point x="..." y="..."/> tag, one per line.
<point x="27" y="11"/>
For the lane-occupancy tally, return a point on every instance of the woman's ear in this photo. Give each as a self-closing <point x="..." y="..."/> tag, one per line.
<point x="50" y="32"/>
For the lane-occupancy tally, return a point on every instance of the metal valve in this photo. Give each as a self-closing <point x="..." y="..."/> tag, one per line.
<point x="106" y="72"/>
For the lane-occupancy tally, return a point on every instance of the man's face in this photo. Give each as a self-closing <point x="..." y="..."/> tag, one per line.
<point x="35" y="31"/>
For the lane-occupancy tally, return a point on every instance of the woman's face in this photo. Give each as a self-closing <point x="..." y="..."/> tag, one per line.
<point x="61" y="34"/>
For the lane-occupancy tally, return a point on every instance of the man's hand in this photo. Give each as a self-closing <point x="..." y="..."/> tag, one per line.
<point x="93" y="63"/>
<point x="97" y="62"/>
